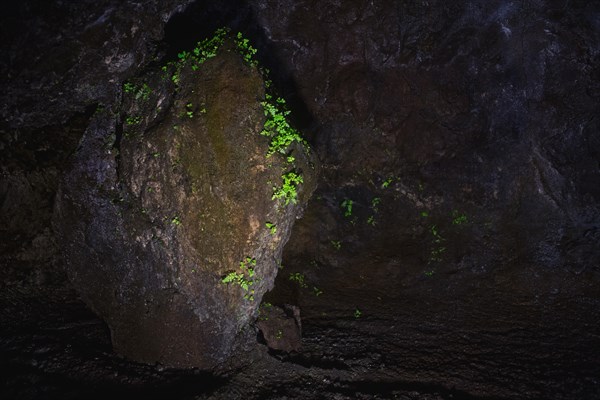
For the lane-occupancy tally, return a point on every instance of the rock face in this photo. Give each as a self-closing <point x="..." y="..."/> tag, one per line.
<point x="281" y="328"/>
<point x="171" y="230"/>
<point x="459" y="191"/>
<point x="451" y="249"/>
<point x="59" y="60"/>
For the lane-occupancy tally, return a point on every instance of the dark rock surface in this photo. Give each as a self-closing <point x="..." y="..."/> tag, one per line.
<point x="465" y="134"/>
<point x="280" y="327"/>
<point x="58" y="61"/>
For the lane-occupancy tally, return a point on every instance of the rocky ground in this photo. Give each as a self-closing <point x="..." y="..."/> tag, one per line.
<point x="450" y="250"/>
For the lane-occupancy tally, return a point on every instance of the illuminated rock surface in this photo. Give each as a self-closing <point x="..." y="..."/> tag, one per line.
<point x="167" y="198"/>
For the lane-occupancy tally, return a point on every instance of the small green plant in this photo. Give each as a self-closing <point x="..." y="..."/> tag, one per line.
<point x="176" y="221"/>
<point x="375" y="204"/>
<point x="277" y="126"/>
<point x="424" y="214"/>
<point x="143" y="92"/>
<point x="140" y="92"/>
<point x="437" y="249"/>
<point x="436" y="253"/>
<point x="279" y="334"/>
<point x="371" y="220"/>
<point x="317" y="292"/>
<point x="189" y="110"/>
<point x="208" y="48"/>
<point x="429" y="273"/>
<point x="298" y="277"/>
<point x="166" y="70"/>
<point x="184" y="55"/>
<point x="458" y="218"/>
<point x="347" y="207"/>
<point x="246" y="50"/>
<point x="130" y="120"/>
<point x="289" y="188"/>
<point x="175" y="77"/>
<point x="244" y="278"/>
<point x="271" y="227"/>
<point x="357" y="313"/>
<point x="336" y="244"/>
<point x="128" y="87"/>
<point x="387" y="182"/>
<point x="204" y="50"/>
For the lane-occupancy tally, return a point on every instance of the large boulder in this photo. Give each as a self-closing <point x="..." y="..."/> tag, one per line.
<point x="176" y="209"/>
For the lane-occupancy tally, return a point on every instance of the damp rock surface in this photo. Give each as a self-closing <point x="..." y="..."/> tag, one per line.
<point x="170" y="197"/>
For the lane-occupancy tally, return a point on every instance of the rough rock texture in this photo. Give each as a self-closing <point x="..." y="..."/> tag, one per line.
<point x="281" y="328"/>
<point x="73" y="54"/>
<point x="466" y="135"/>
<point x="165" y="200"/>
<point x="58" y="60"/>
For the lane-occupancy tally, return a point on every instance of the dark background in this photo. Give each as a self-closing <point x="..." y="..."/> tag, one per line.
<point x="421" y="113"/>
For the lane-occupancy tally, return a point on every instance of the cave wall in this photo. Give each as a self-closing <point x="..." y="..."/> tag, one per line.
<point x="486" y="109"/>
<point x="60" y="61"/>
<point x="465" y="134"/>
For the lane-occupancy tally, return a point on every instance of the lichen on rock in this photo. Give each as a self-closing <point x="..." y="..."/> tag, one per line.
<point x="172" y="194"/>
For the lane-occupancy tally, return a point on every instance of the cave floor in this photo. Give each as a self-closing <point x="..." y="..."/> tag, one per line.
<point x="399" y="346"/>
